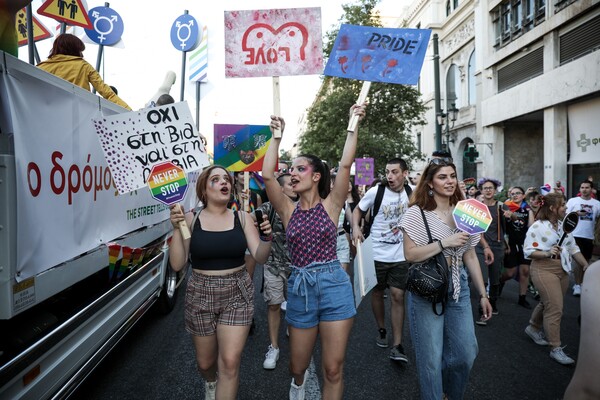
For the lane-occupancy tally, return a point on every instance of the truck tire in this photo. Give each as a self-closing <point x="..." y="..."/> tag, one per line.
<point x="168" y="294"/>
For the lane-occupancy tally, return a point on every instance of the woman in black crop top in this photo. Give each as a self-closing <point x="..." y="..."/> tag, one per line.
<point x="219" y="299"/>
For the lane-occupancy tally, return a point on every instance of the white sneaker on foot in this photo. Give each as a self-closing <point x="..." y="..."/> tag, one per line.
<point x="271" y="358"/>
<point x="298" y="392"/>
<point x="537" y="336"/>
<point x="576" y="290"/>
<point x="558" y="355"/>
<point x="210" y="390"/>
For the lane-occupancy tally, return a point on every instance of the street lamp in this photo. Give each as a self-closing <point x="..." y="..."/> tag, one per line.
<point x="442" y="119"/>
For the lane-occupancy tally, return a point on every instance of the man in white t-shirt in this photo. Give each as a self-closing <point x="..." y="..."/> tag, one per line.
<point x="588" y="210"/>
<point x="390" y="265"/>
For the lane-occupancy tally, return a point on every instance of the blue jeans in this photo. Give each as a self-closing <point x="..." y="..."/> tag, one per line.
<point x="319" y="292"/>
<point x="445" y="346"/>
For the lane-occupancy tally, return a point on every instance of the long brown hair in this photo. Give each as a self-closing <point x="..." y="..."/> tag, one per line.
<point x="551" y="199"/>
<point x="68" y="45"/>
<point x="420" y="196"/>
<point x="203" y="181"/>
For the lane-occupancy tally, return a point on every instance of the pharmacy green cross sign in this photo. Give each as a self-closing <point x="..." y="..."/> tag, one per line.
<point x="471" y="154"/>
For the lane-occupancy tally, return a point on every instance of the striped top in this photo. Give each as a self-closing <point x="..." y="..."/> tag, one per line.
<point x="412" y="225"/>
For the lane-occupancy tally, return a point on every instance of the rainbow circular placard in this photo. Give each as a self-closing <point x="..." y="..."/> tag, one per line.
<point x="167" y="183"/>
<point x="472" y="216"/>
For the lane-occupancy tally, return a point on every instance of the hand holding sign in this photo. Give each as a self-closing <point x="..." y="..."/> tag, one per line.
<point x="472" y="216"/>
<point x="168" y="184"/>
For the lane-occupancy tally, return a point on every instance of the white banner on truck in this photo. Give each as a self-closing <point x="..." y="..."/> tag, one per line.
<point x="68" y="203"/>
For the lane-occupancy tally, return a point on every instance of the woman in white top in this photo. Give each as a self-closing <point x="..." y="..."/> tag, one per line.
<point x="550" y="267"/>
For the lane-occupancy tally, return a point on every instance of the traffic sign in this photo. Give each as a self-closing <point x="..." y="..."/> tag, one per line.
<point x="40" y="32"/>
<point x="185" y="33"/>
<point x="472" y="216"/>
<point x="167" y="183"/>
<point x="70" y="12"/>
<point x="107" y="26"/>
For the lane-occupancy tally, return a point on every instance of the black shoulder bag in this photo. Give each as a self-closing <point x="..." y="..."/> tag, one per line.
<point x="429" y="279"/>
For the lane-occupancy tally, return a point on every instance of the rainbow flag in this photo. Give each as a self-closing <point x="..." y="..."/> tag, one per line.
<point x="114" y="250"/>
<point x="127" y="253"/>
<point x="241" y="147"/>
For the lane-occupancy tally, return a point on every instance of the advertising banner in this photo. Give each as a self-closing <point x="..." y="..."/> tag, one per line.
<point x="67" y="199"/>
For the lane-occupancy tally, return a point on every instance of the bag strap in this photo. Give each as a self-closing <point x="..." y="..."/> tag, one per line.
<point x="378" y="200"/>
<point x="445" y="298"/>
<point x="426" y="225"/>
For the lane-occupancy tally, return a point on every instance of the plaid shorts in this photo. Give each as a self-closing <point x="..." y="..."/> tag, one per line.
<point x="212" y="300"/>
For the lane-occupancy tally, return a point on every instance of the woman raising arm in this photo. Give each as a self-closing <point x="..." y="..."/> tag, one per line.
<point x="320" y="297"/>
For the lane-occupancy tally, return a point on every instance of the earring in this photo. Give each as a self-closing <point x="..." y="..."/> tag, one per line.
<point x="430" y="192"/>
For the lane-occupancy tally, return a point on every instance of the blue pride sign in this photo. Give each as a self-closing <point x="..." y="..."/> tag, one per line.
<point x="376" y="54"/>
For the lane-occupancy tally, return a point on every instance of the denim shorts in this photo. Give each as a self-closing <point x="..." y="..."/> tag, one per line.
<point x="319" y="292"/>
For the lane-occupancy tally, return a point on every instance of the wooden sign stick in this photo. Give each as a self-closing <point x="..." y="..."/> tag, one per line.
<point x="247" y="191"/>
<point x="183" y="228"/>
<point x="276" y="104"/>
<point x="362" y="97"/>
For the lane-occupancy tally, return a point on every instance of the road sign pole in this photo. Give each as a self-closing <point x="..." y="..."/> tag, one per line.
<point x="30" y="38"/>
<point x="182" y="75"/>
<point x="183" y="55"/>
<point x="198" y="86"/>
<point x="98" y="62"/>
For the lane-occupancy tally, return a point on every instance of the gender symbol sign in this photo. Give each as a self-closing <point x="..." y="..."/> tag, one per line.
<point x="167" y="183"/>
<point x="70" y="12"/>
<point x="40" y="31"/>
<point x="184" y="33"/>
<point x="134" y="142"/>
<point x="388" y="55"/>
<point x="472" y="216"/>
<point x="108" y="26"/>
<point x="273" y="42"/>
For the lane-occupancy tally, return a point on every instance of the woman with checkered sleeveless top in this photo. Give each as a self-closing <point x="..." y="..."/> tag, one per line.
<point x="320" y="297"/>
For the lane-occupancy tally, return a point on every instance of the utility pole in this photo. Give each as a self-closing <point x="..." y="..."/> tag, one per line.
<point x="438" y="100"/>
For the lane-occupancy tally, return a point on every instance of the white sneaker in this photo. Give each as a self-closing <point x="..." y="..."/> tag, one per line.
<point x="558" y="355"/>
<point x="271" y="358"/>
<point x="210" y="390"/>
<point x="537" y="336"/>
<point x="576" y="290"/>
<point x="298" y="392"/>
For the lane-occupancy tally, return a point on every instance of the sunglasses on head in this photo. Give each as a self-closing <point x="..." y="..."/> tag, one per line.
<point x="441" y="161"/>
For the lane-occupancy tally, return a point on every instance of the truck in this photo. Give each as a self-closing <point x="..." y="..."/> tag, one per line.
<point x="79" y="264"/>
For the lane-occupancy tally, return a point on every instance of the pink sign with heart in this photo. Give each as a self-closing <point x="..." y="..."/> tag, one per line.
<point x="276" y="42"/>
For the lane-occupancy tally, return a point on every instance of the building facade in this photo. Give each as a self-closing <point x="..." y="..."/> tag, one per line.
<point x="524" y="77"/>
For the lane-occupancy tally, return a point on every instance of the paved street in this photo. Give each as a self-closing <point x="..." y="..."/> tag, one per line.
<point x="156" y="361"/>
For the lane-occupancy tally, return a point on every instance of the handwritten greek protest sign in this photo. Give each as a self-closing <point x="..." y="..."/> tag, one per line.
<point x="136" y="141"/>
<point x="273" y="42"/>
<point x="389" y="55"/>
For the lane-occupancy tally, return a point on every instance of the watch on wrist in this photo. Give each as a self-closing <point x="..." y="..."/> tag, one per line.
<point x="483" y="296"/>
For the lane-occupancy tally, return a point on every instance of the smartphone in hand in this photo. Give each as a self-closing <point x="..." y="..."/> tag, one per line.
<point x="259" y="220"/>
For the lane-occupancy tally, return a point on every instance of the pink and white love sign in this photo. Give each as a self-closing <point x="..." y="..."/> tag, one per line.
<point x="273" y="42"/>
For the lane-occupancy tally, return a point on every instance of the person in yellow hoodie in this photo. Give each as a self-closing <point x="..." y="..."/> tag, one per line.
<point x="66" y="61"/>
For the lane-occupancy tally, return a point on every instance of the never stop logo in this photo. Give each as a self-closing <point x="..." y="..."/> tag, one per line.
<point x="167" y="183"/>
<point x="472" y="216"/>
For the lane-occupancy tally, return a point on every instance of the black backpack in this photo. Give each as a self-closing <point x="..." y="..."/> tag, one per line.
<point x="375" y="209"/>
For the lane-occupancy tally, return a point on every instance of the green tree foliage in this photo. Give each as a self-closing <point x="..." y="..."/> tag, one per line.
<point x="392" y="110"/>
